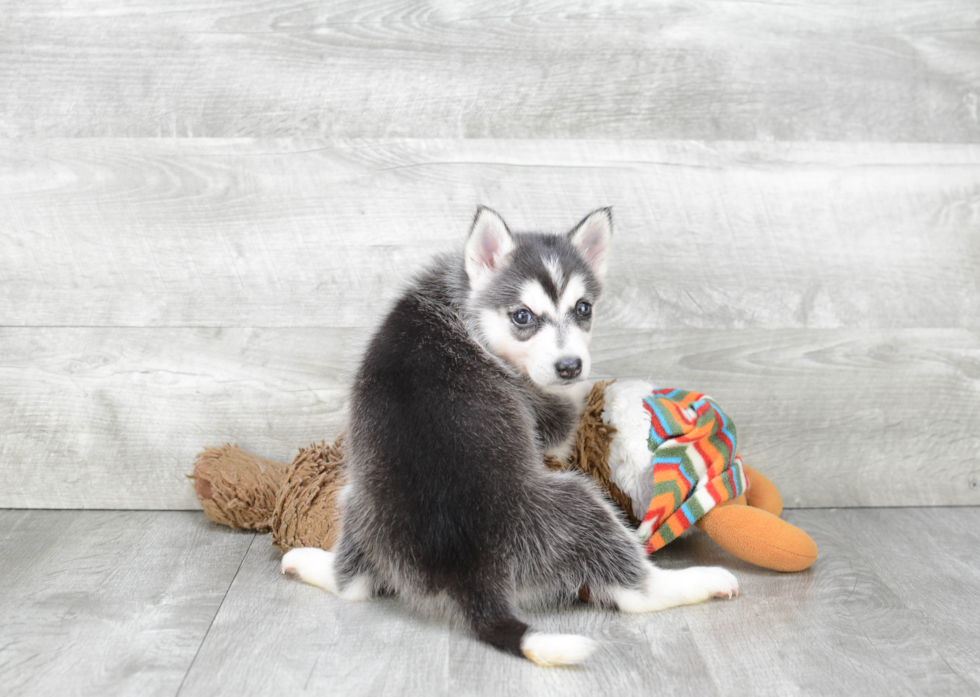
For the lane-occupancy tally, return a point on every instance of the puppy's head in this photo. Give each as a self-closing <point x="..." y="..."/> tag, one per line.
<point x="532" y="295"/>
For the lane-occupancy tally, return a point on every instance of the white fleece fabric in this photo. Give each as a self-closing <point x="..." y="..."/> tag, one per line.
<point x="630" y="460"/>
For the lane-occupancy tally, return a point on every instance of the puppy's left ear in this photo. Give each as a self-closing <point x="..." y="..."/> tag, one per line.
<point x="592" y="237"/>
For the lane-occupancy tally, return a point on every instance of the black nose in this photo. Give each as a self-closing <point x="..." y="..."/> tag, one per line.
<point x="569" y="368"/>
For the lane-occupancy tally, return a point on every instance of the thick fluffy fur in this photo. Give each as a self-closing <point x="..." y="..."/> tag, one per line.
<point x="448" y="501"/>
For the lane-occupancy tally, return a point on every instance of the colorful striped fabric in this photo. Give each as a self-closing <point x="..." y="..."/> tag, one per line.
<point x="694" y="463"/>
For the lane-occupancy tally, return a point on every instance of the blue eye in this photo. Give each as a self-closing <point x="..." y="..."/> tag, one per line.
<point x="584" y="309"/>
<point x="522" y="318"/>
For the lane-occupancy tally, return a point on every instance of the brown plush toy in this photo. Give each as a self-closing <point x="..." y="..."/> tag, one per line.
<point x="297" y="502"/>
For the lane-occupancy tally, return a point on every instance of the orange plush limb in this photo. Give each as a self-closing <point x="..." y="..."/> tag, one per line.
<point x="753" y="533"/>
<point x="761" y="493"/>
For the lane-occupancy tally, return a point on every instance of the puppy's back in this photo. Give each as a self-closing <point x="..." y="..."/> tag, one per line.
<point x="440" y="443"/>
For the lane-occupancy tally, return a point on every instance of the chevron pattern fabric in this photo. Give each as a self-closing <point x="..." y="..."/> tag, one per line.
<point x="694" y="463"/>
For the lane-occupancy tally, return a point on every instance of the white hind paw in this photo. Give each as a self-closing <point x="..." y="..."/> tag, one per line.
<point x="718" y="582"/>
<point x="695" y="585"/>
<point x="557" y="649"/>
<point x="313" y="566"/>
<point x="666" y="588"/>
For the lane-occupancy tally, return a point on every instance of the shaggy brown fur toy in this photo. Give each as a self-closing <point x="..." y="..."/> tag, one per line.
<point x="297" y="502"/>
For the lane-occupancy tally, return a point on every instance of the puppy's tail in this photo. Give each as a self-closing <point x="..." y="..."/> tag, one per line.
<point x="489" y="614"/>
<point x="494" y="623"/>
<point x="556" y="649"/>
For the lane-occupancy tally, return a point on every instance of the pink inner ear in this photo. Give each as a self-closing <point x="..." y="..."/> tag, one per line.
<point x="489" y="245"/>
<point x="489" y="242"/>
<point x="592" y="242"/>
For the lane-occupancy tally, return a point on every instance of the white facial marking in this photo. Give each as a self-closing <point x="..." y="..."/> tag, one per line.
<point x="536" y="300"/>
<point x="555" y="271"/>
<point x="498" y="332"/>
<point x="538" y="355"/>
<point x="574" y="292"/>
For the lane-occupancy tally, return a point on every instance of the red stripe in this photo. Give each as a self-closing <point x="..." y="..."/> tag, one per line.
<point x="657" y="513"/>
<point x="713" y="490"/>
<point x="709" y="462"/>
<point x="654" y="421"/>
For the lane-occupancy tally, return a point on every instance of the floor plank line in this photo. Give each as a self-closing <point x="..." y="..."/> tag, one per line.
<point x="108" y="602"/>
<point x="216" y="613"/>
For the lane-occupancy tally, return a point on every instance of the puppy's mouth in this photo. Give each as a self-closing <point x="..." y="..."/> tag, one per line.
<point x="559" y="383"/>
<point x="563" y="382"/>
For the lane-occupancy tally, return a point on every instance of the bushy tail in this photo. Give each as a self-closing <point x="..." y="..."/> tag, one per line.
<point x="488" y="614"/>
<point x="493" y="622"/>
<point x="557" y="649"/>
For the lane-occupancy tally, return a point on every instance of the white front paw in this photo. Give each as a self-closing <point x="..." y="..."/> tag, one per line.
<point x="312" y="565"/>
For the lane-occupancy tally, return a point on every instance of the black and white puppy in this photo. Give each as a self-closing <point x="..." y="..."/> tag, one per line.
<point x="474" y="375"/>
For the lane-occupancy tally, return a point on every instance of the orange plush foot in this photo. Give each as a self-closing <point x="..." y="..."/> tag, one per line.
<point x="759" y="537"/>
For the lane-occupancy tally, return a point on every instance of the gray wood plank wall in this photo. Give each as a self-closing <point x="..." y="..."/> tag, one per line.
<point x="203" y="211"/>
<point x="903" y="70"/>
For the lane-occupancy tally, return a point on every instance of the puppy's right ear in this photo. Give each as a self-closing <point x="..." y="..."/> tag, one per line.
<point x="489" y="243"/>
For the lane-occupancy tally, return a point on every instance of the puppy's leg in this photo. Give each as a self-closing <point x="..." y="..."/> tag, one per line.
<point x="601" y="553"/>
<point x="666" y="588"/>
<point x="575" y="540"/>
<point x="343" y="572"/>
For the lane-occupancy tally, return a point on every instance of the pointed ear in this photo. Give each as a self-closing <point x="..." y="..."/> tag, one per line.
<point x="489" y="242"/>
<point x="592" y="238"/>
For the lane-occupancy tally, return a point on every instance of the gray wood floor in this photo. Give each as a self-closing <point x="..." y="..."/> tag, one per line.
<point x="166" y="603"/>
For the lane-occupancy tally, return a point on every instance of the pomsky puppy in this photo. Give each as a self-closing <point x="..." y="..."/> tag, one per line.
<point x="479" y="370"/>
